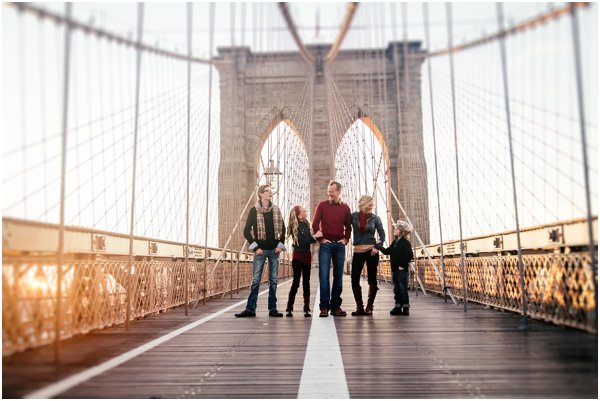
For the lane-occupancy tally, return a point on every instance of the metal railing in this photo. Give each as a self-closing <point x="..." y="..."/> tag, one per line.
<point x="94" y="284"/>
<point x="559" y="282"/>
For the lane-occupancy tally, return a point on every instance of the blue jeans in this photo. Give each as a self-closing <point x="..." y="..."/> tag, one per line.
<point x="400" y="280"/>
<point x="257" y="269"/>
<point x="336" y="253"/>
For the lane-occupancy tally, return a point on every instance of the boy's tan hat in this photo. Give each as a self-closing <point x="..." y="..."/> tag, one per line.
<point x="403" y="225"/>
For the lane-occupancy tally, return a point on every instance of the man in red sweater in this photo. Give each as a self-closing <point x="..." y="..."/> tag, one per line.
<point x="332" y="218"/>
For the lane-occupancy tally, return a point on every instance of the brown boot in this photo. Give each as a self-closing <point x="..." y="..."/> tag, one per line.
<point x="372" y="292"/>
<point x="360" y="309"/>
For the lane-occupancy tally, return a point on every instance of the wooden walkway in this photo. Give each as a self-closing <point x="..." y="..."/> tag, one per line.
<point x="437" y="352"/>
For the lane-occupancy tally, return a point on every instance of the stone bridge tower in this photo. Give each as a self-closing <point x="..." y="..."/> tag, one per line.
<point x="257" y="88"/>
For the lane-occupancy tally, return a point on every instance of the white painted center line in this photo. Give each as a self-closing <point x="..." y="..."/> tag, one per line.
<point x="323" y="374"/>
<point x="67" y="383"/>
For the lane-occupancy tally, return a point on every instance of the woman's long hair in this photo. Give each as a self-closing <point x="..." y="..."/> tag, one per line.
<point x="292" y="226"/>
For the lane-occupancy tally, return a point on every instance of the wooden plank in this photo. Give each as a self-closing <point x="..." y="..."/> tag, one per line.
<point x="441" y="352"/>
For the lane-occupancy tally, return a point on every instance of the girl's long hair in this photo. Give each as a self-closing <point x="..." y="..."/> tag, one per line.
<point x="292" y="226"/>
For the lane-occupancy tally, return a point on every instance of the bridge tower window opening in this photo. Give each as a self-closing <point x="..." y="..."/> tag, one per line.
<point x="361" y="166"/>
<point x="283" y="163"/>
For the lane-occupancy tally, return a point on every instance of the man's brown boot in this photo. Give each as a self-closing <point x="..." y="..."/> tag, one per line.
<point x="324" y="312"/>
<point x="338" y="312"/>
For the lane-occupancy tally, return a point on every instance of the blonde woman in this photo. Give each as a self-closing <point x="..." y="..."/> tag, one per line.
<point x="265" y="232"/>
<point x="364" y="226"/>
<point x="299" y="231"/>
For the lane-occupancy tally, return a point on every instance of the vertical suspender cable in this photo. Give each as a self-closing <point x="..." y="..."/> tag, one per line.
<point x="190" y="9"/>
<point x="500" y="14"/>
<point x="63" y="178"/>
<point x="407" y="118"/>
<point x="581" y="109"/>
<point x="398" y="101"/>
<point x="135" y="143"/>
<point x="435" y="160"/>
<point x="211" y="24"/>
<point x="451" y="58"/>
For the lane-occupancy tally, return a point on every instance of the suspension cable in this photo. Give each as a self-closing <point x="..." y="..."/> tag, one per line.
<point x="462" y="251"/>
<point x="333" y="51"/>
<point x="292" y="28"/>
<point x="524" y="26"/>
<point x="101" y="33"/>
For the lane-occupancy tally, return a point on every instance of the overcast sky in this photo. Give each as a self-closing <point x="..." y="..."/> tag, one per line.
<point x="540" y="70"/>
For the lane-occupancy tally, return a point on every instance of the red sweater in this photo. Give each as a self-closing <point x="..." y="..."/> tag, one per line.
<point x="334" y="220"/>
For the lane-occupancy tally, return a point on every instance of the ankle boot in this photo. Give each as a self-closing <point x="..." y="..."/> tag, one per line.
<point x="360" y="310"/>
<point x="307" y="305"/>
<point x="372" y="292"/>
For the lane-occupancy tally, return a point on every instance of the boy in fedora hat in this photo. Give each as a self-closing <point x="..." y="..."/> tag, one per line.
<point x="400" y="251"/>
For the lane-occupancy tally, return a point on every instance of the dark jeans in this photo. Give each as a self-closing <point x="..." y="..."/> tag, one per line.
<point x="358" y="262"/>
<point x="331" y="252"/>
<point x="400" y="280"/>
<point x="257" y="268"/>
<point x="300" y="269"/>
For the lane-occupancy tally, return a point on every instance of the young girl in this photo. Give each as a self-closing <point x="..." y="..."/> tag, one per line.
<point x="401" y="255"/>
<point x="299" y="231"/>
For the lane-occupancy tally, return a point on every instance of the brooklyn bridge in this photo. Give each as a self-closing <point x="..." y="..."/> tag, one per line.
<point x="136" y="136"/>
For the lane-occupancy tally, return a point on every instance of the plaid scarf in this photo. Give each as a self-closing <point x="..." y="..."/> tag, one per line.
<point x="260" y="220"/>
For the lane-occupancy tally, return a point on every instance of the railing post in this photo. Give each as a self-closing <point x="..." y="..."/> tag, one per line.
<point x="435" y="160"/>
<point x="237" y="291"/>
<point x="582" y="130"/>
<point x="187" y="191"/>
<point x="451" y="58"/>
<point x="499" y="11"/>
<point x="211" y="24"/>
<point x="135" y="142"/>
<point x="63" y="179"/>
<point x="205" y="279"/>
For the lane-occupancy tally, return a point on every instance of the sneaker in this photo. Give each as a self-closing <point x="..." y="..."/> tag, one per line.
<point x="275" y="313"/>
<point x="307" y="313"/>
<point x="245" y="313"/>
<point x="324" y="312"/>
<point x="396" y="311"/>
<point x="338" y="312"/>
<point x="405" y="312"/>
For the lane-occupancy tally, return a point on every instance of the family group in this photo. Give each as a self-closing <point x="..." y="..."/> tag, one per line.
<point x="332" y="225"/>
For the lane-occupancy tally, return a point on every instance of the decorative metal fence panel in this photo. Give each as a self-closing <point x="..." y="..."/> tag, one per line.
<point x="559" y="287"/>
<point x="94" y="293"/>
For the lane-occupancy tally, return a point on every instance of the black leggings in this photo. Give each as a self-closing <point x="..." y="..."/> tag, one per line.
<point x="358" y="262"/>
<point x="304" y="270"/>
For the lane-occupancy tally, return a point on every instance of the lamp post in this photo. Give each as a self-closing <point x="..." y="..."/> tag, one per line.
<point x="272" y="174"/>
